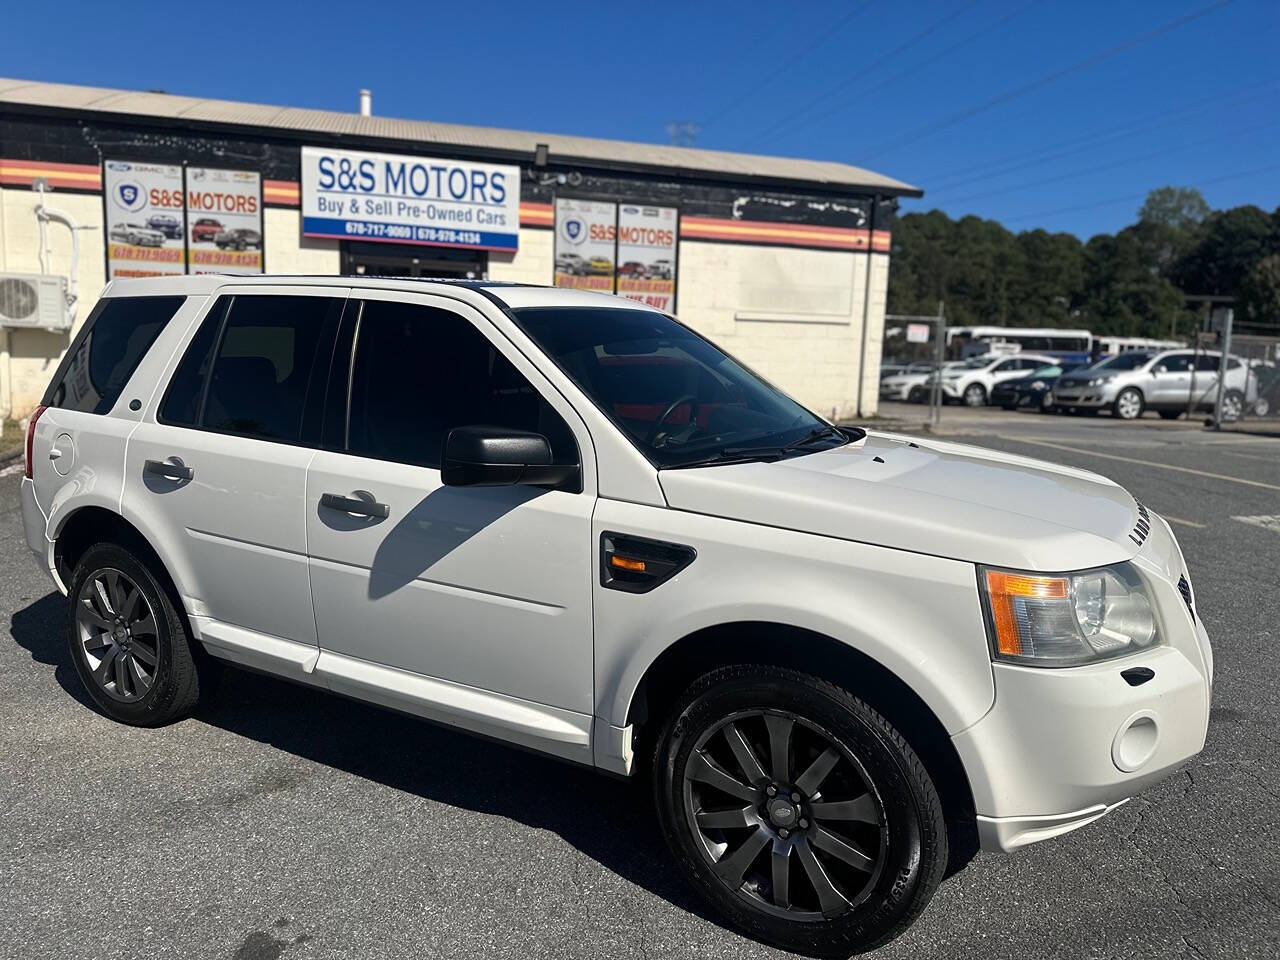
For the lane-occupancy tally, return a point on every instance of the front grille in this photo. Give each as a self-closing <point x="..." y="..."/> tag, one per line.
<point x="1184" y="588"/>
<point x="1141" y="529"/>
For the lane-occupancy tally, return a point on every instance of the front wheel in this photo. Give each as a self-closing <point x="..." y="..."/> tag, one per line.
<point x="1129" y="404"/>
<point x="798" y="811"/>
<point x="1232" y="405"/>
<point x="128" y="642"/>
<point x="975" y="395"/>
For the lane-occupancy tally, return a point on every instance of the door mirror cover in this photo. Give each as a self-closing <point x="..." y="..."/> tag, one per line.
<point x="480" y="456"/>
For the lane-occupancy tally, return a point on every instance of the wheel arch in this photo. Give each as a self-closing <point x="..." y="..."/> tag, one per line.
<point x="82" y="528"/>
<point x="798" y="648"/>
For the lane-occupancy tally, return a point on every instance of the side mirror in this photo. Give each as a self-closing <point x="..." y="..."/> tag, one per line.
<point x="499" y="457"/>
<point x="1160" y="369"/>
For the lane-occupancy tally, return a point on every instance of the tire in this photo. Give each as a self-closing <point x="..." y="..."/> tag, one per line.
<point x="916" y="395"/>
<point x="975" y="395"/>
<point x="175" y="681"/>
<point x="1169" y="414"/>
<point x="883" y="804"/>
<point x="1129" y="404"/>
<point x="1261" y="407"/>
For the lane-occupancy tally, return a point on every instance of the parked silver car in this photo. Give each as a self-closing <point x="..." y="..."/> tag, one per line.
<point x="1169" y="382"/>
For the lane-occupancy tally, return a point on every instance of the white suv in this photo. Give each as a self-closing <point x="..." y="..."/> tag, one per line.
<point x="971" y="382"/>
<point x="564" y="520"/>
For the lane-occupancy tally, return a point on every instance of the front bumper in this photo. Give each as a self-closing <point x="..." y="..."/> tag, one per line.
<point x="1102" y="395"/>
<point x="1062" y="747"/>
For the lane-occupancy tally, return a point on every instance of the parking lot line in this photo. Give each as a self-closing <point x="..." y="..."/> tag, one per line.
<point x="1185" y="523"/>
<point x="1145" y="463"/>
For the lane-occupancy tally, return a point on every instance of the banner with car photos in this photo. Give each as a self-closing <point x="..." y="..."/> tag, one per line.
<point x="145" y="220"/>
<point x="224" y="221"/>
<point x="586" y="241"/>
<point x="647" y="254"/>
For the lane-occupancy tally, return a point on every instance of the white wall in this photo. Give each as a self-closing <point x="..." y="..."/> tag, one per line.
<point x="795" y="316"/>
<point x="288" y="251"/>
<point x="534" y="263"/>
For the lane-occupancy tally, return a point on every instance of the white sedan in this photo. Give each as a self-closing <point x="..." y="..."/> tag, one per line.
<point x="972" y="381"/>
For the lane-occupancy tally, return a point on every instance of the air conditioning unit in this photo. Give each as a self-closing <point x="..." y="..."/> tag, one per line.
<point x="34" y="300"/>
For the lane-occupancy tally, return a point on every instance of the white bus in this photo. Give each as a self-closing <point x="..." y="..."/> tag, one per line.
<point x="1110" y="346"/>
<point x="1070" y="345"/>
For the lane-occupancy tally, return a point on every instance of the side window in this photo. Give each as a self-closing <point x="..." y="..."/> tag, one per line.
<point x="1006" y="365"/>
<point x="418" y="372"/>
<point x="114" y="340"/>
<point x="1207" y="363"/>
<point x="255" y="368"/>
<point x="1176" y="363"/>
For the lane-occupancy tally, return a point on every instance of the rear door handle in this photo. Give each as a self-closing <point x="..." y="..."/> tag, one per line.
<point x="363" y="508"/>
<point x="169" y="469"/>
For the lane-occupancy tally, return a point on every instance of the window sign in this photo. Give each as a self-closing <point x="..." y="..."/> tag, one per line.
<point x="647" y="254"/>
<point x="586" y="242"/>
<point x="224" y="221"/>
<point x="144" y="219"/>
<point x="401" y="199"/>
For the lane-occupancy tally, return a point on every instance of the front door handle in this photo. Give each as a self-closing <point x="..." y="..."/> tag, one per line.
<point x="363" y="508"/>
<point x="169" y="469"/>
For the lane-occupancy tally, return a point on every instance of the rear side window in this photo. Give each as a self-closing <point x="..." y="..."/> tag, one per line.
<point x="256" y="368"/>
<point x="107" y="350"/>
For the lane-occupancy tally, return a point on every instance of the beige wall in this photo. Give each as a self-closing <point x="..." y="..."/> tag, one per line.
<point x="28" y="357"/>
<point x="794" y="315"/>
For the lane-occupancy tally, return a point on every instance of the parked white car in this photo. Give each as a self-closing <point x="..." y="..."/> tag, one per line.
<point x="566" y="521"/>
<point x="1169" y="382"/>
<point x="972" y="381"/>
<point x="911" y="384"/>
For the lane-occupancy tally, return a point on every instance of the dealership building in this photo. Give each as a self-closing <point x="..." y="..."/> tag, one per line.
<point x="783" y="262"/>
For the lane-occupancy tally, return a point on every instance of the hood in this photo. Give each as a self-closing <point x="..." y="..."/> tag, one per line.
<point x="926" y="496"/>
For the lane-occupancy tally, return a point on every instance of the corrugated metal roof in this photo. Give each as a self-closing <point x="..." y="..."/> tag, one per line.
<point x="722" y="164"/>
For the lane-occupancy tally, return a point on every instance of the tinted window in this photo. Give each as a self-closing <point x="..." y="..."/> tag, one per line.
<point x="418" y="372"/>
<point x="267" y="369"/>
<point x="1208" y="362"/>
<point x="1175" y="363"/>
<point x="678" y="397"/>
<point x="114" y="340"/>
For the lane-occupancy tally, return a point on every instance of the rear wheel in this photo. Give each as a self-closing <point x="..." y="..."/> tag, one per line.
<point x="1129" y="404"/>
<point x="129" y="644"/>
<point x="798" y="811"/>
<point x="1232" y="405"/>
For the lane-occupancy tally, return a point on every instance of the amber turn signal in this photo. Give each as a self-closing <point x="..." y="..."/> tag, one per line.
<point x="626" y="563"/>
<point x="1003" y="589"/>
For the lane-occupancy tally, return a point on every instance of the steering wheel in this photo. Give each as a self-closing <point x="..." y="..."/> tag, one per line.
<point x="674" y="405"/>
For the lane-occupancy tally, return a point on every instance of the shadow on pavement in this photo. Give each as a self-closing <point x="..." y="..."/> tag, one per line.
<point x="609" y="820"/>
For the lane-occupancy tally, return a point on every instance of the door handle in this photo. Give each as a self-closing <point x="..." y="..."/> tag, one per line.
<point x="169" y="469"/>
<point x="364" y="508"/>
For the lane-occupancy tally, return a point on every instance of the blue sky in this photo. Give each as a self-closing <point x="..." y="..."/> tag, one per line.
<point x="1051" y="113"/>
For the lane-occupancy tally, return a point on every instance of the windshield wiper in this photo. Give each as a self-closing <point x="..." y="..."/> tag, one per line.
<point x="817" y="434"/>
<point x="762" y="454"/>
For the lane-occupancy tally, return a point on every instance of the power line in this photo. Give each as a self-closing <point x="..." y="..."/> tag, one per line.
<point x="952" y="119"/>
<point x="822" y="37"/>
<point x="1090" y="141"/>
<point x="1163" y="152"/>
<point x="796" y="122"/>
<point x="1134" y="196"/>
<point x="772" y="132"/>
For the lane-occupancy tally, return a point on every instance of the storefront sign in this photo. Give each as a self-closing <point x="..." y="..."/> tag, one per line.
<point x="144" y="219"/>
<point x="224" y="221"/>
<point x="917" y="333"/>
<point x="647" y="254"/>
<point x="586" y="242"/>
<point x="402" y="199"/>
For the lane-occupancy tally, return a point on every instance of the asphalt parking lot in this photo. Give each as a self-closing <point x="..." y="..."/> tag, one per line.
<point x="282" y="822"/>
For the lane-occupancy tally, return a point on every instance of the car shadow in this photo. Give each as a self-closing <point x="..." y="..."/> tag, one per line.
<point x="609" y="820"/>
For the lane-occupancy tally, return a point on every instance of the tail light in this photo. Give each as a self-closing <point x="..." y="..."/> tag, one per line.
<point x="31" y="435"/>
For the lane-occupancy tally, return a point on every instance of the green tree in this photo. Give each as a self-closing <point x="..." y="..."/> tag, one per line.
<point x="1181" y="208"/>
<point x="1231" y="243"/>
<point x="1259" y="298"/>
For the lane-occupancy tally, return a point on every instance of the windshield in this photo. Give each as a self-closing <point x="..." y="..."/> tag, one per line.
<point x="976" y="363"/>
<point x="1123" y="361"/>
<point x="678" y="397"/>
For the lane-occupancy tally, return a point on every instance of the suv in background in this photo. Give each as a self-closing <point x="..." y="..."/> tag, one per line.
<point x="568" y="522"/>
<point x="972" y="381"/>
<point x="1169" y="382"/>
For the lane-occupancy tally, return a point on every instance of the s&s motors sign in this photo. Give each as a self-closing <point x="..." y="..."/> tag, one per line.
<point x="401" y="199"/>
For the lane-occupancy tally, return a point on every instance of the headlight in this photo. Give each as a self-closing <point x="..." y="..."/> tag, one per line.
<point x="1068" y="620"/>
<point x="1037" y="384"/>
<point x="1098" y="381"/>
